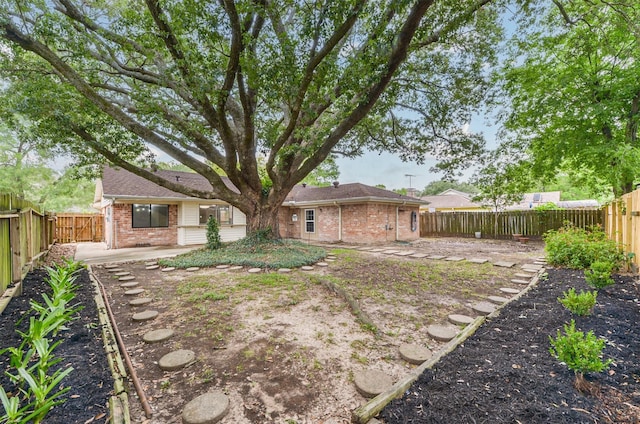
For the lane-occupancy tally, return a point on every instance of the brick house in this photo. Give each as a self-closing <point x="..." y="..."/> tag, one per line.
<point x="138" y="212"/>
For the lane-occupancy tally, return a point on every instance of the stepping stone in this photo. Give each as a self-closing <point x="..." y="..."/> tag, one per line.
<point x="236" y="268"/>
<point x="111" y="266"/>
<point x="152" y="263"/>
<point x="127" y="278"/>
<point x="129" y="284"/>
<point x="254" y="270"/>
<point x="157" y="336"/>
<point x="414" y="354"/>
<point x="306" y="268"/>
<point x="509" y="290"/>
<point x="145" y="315"/>
<point x="503" y="264"/>
<point x="122" y="273"/>
<point x="532" y="266"/>
<point x="518" y="281"/>
<point x="176" y="360"/>
<point x="366" y="248"/>
<point x="406" y="253"/>
<point x="478" y="260"/>
<point x="391" y="252"/>
<point x="419" y="255"/>
<point x="208" y="408"/>
<point x="498" y="300"/>
<point x="329" y="260"/>
<point x="539" y="263"/>
<point x="169" y="269"/>
<point x="484" y="308"/>
<point x="436" y="257"/>
<point x="284" y="270"/>
<point x="370" y="383"/>
<point x="442" y="333"/>
<point x="377" y="250"/>
<point x="459" y="319"/>
<point x="151" y="267"/>
<point x="192" y="269"/>
<point x="523" y="275"/>
<point x="454" y="258"/>
<point x="133" y="292"/>
<point x="140" y="301"/>
<point x="331" y="257"/>
<point x="223" y="266"/>
<point x="115" y="270"/>
<point x="322" y="264"/>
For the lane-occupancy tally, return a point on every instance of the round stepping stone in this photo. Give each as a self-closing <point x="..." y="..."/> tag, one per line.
<point x="140" y="301"/>
<point x="459" y="319"/>
<point x="157" y="336"/>
<point x="370" y="383"/>
<point x="150" y="267"/>
<point x="331" y="257"/>
<point x="520" y="275"/>
<point x="284" y="270"/>
<point x="193" y="268"/>
<point x="122" y="273"/>
<point x="414" y="354"/>
<point x="518" y="281"/>
<point x="129" y="284"/>
<point x="127" y="278"/>
<point x="115" y="270"/>
<point x="498" y="300"/>
<point x="208" y="408"/>
<point x="145" y="315"/>
<point x="133" y="292"/>
<point x="322" y="264"/>
<point x="236" y="268"/>
<point x="306" y="268"/>
<point x="255" y="270"/>
<point x="330" y="260"/>
<point x="152" y="263"/>
<point x="484" y="308"/>
<point x="169" y="269"/>
<point x="509" y="290"/>
<point x="111" y="266"/>
<point x="442" y="333"/>
<point x="177" y="359"/>
<point x="224" y="266"/>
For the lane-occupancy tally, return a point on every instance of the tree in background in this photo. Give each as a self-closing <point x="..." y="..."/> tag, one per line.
<point x="222" y="83"/>
<point x="437" y="187"/>
<point x="574" y="91"/>
<point x="324" y="174"/>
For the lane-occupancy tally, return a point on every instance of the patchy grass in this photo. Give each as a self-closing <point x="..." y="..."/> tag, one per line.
<point x="267" y="254"/>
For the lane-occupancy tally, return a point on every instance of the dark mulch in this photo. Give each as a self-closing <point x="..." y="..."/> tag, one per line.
<point x="505" y="374"/>
<point x="82" y="348"/>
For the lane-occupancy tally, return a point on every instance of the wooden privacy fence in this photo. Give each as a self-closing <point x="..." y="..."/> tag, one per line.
<point x="622" y="223"/>
<point x="529" y="223"/>
<point x="78" y="227"/>
<point x="25" y="233"/>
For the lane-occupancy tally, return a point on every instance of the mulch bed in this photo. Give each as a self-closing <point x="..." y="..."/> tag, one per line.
<point x="504" y="373"/>
<point x="82" y="348"/>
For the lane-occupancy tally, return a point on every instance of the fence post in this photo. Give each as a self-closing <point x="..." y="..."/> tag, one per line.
<point x="14" y="237"/>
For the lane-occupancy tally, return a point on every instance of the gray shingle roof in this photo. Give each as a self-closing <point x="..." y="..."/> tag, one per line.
<point x="346" y="193"/>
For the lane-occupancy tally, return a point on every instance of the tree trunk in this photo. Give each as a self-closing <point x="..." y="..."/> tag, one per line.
<point x="264" y="220"/>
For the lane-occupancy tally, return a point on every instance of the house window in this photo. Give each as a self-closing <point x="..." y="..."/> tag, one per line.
<point x="147" y="216"/>
<point x="310" y="220"/>
<point x="221" y="213"/>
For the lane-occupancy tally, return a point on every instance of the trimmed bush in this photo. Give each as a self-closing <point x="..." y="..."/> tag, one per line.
<point x="213" y="234"/>
<point x="578" y="248"/>
<point x="580" y="304"/>
<point x="599" y="274"/>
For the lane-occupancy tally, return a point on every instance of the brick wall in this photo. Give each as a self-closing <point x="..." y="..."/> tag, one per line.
<point x="124" y="235"/>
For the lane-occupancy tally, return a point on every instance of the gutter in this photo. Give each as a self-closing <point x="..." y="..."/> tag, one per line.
<point x="339" y="220"/>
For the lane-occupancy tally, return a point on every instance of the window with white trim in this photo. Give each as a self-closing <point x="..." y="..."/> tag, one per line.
<point x="221" y="213"/>
<point x="310" y="221"/>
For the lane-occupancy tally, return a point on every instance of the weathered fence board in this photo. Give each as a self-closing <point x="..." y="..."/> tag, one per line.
<point x="72" y="228"/>
<point x="505" y="224"/>
<point x="622" y="223"/>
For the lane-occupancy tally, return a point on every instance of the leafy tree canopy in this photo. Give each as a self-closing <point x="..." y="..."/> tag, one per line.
<point x="574" y="93"/>
<point x="222" y="83"/>
<point x="437" y="187"/>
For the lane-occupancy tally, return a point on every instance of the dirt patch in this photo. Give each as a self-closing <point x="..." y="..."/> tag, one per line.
<point x="283" y="346"/>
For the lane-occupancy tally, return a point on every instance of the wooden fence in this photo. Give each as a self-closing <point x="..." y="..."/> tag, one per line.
<point x="622" y="223"/>
<point x="25" y="232"/>
<point x="73" y="228"/>
<point x="505" y="224"/>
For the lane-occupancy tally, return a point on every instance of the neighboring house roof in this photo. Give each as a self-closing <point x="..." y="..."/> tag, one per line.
<point x="453" y="192"/>
<point x="531" y="200"/>
<point x="122" y="184"/>
<point x="345" y="193"/>
<point x="578" y="204"/>
<point x="450" y="201"/>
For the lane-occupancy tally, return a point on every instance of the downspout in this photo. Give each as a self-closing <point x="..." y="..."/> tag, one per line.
<point x="339" y="220"/>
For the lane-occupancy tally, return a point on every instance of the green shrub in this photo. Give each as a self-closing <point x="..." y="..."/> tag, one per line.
<point x="581" y="352"/>
<point x="578" y="248"/>
<point x="580" y="304"/>
<point x="599" y="274"/>
<point x="213" y="234"/>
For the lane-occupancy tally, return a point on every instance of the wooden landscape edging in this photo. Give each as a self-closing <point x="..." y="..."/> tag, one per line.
<point x="364" y="413"/>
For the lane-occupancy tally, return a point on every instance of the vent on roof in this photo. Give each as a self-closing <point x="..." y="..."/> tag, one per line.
<point x="536" y="197"/>
<point x="336" y="184"/>
<point x="304" y="185"/>
<point x="178" y="178"/>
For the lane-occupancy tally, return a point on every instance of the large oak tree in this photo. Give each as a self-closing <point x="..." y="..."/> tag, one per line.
<point x="230" y="85"/>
